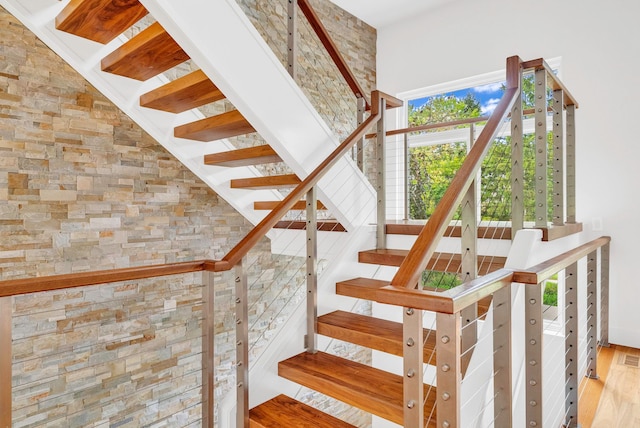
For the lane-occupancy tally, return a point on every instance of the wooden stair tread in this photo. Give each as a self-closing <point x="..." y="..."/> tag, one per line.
<point x="145" y="55"/>
<point x="270" y="205"/>
<point x="99" y="20"/>
<point x="370" y="332"/>
<point x="284" y="181"/>
<point x="243" y="157"/>
<point x="225" y="125"/>
<point x="360" y="288"/>
<point x="365" y="288"/>
<point x="188" y="92"/>
<point x="414" y="227"/>
<point x="323" y="226"/>
<point x="285" y="412"/>
<point x="440" y="262"/>
<point x="370" y="389"/>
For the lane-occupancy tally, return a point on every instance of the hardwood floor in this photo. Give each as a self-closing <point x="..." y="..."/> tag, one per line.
<point x="614" y="399"/>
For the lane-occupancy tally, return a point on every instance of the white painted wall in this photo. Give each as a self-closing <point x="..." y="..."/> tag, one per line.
<point x="597" y="42"/>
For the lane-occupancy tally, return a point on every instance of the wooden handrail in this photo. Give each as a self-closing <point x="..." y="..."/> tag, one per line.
<point x="548" y="268"/>
<point x="525" y="112"/>
<point x="57" y="282"/>
<point x="431" y="126"/>
<point x="261" y="229"/>
<point x="411" y="268"/>
<point x="332" y="50"/>
<point x="454" y="300"/>
<point x="556" y="83"/>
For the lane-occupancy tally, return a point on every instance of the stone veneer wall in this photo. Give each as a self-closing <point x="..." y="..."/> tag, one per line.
<point x="317" y="75"/>
<point x="83" y="188"/>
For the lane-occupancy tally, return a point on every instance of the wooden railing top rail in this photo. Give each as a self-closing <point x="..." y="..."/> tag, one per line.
<point x="15" y="287"/>
<point x="332" y="50"/>
<point x="554" y="81"/>
<point x="431" y="126"/>
<point x="546" y="269"/>
<point x="411" y="268"/>
<point x="458" y="298"/>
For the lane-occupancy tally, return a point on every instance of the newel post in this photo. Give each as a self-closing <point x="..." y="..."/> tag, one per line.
<point x="449" y="375"/>
<point x="5" y="361"/>
<point x="208" y="349"/>
<point x="242" y="347"/>
<point x="571" y="346"/>
<point x="312" y="272"/>
<point x="381" y="187"/>
<point x="412" y="351"/>
<point x="541" y="208"/>
<point x="292" y="30"/>
<point x="533" y="353"/>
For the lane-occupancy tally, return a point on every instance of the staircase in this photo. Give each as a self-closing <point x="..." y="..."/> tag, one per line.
<point x="176" y="107"/>
<point x="153" y="51"/>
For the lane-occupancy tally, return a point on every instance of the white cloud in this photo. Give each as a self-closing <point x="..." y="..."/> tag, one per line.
<point x="489" y="106"/>
<point x="489" y="88"/>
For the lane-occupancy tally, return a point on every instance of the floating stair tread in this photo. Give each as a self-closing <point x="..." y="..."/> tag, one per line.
<point x="268" y="181"/>
<point x="99" y="20"/>
<point x="440" y="262"/>
<point x="414" y="227"/>
<point x="225" y="125"/>
<point x="270" y="205"/>
<point x="360" y="288"/>
<point x="285" y="412"/>
<point x="188" y="92"/>
<point x="365" y="288"/>
<point x="243" y="157"/>
<point x="370" y="389"/>
<point x="381" y="335"/>
<point x="145" y="55"/>
<point x="323" y="226"/>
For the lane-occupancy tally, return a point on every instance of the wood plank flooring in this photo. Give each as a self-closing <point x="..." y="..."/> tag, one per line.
<point x="614" y="399"/>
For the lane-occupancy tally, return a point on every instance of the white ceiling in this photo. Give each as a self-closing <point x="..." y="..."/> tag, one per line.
<point x="380" y="13"/>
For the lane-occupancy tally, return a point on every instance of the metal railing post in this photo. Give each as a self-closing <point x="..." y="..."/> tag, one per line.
<point x="208" y="349"/>
<point x="359" y="147"/>
<point x="412" y="348"/>
<point x="312" y="272"/>
<point x="558" y="158"/>
<point x="592" y="315"/>
<point x="517" y="166"/>
<point x="469" y="251"/>
<point x="571" y="163"/>
<point x="604" y="295"/>
<point x="571" y="346"/>
<point x="449" y="376"/>
<point x="541" y="208"/>
<point x="502" y="383"/>
<point x="6" y="311"/>
<point x="381" y="236"/>
<point x="533" y="353"/>
<point x="242" y="347"/>
<point x="407" y="162"/>
<point x="292" y="31"/>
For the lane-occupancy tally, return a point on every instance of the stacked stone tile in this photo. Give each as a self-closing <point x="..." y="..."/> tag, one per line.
<point x="83" y="188"/>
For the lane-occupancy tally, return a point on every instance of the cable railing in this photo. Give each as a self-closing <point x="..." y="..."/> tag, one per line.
<point x="576" y="340"/>
<point x="462" y="329"/>
<point x="236" y="259"/>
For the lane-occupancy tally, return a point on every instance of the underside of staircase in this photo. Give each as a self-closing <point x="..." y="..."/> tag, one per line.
<point x="170" y="82"/>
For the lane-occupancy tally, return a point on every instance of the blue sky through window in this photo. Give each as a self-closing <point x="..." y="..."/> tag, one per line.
<point x="488" y="95"/>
